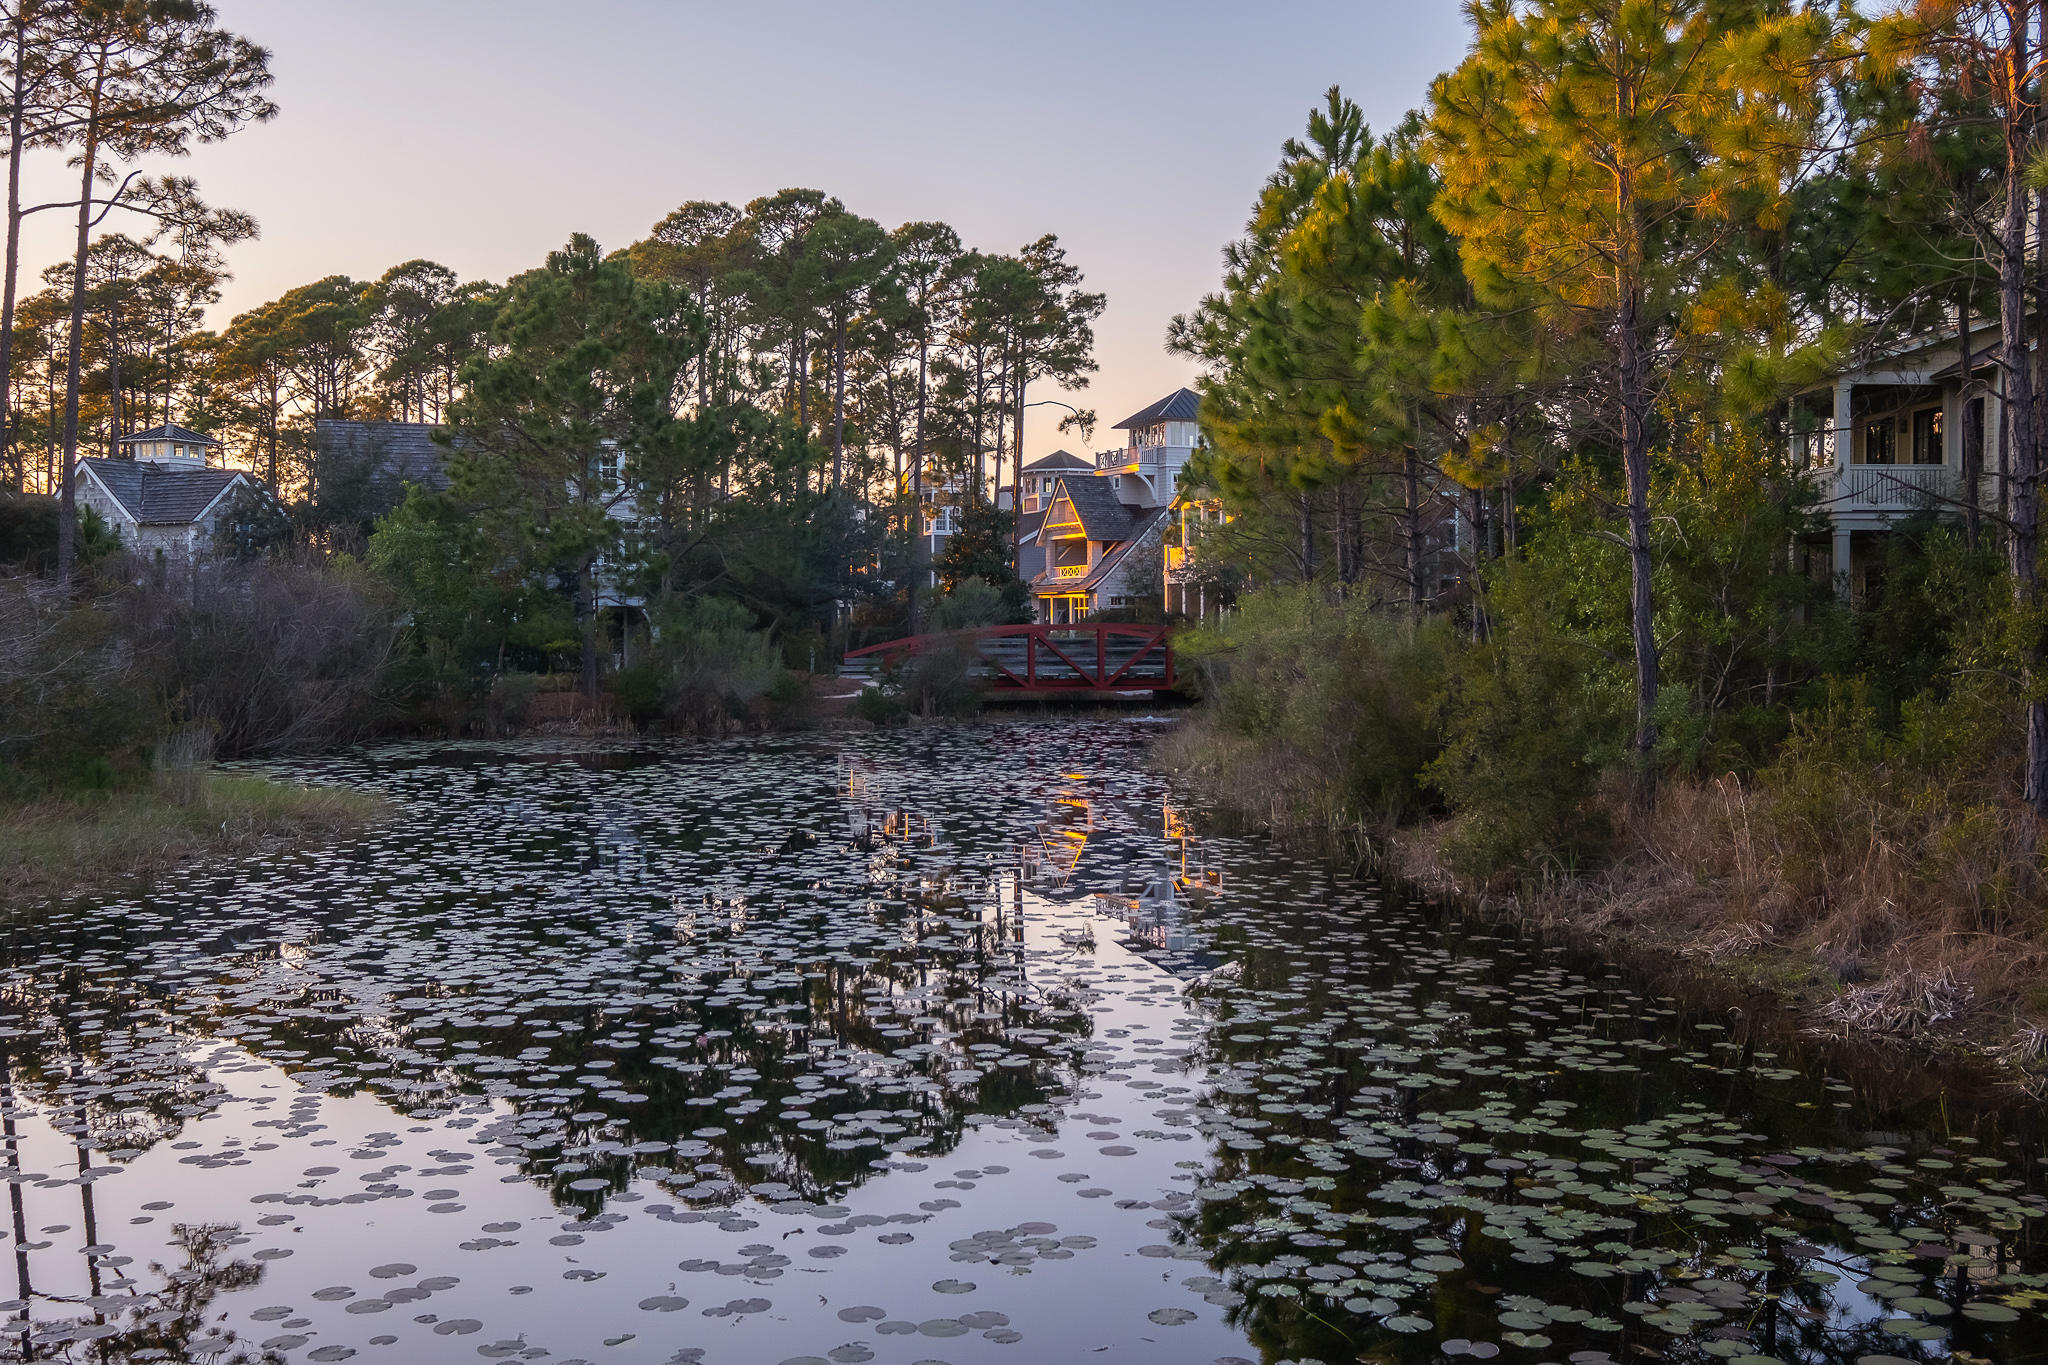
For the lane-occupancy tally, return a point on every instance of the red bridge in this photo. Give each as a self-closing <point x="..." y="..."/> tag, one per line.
<point x="1052" y="660"/>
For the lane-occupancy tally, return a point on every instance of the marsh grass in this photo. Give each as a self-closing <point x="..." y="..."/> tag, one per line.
<point x="63" y="845"/>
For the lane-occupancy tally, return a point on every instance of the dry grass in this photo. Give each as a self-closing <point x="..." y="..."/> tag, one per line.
<point x="73" y="845"/>
<point x="1914" y="915"/>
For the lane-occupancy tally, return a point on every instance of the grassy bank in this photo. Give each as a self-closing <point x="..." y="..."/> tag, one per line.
<point x="1711" y="886"/>
<point x="1857" y="843"/>
<point x="59" y="846"/>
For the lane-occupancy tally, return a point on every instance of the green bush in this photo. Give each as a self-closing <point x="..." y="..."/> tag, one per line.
<point x="703" y="670"/>
<point x="1316" y="710"/>
<point x="879" y="708"/>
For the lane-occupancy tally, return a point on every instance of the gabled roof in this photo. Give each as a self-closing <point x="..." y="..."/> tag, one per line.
<point x="169" y="431"/>
<point x="384" y="455"/>
<point x="1103" y="515"/>
<point x="1028" y="524"/>
<point x="158" y="495"/>
<point x="1179" y="406"/>
<point x="1057" y="461"/>
<point x="1143" y="519"/>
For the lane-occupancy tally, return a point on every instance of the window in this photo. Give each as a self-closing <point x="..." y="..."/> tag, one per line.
<point x="1927" y="445"/>
<point x="1880" y="440"/>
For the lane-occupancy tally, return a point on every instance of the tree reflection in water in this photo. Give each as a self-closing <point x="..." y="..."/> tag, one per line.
<point x="768" y="973"/>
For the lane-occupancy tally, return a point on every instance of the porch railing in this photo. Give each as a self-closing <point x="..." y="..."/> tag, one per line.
<point x="1913" y="486"/>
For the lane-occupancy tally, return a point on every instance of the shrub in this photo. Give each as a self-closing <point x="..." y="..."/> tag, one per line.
<point x="1316" y="711"/>
<point x="75" y="711"/>
<point x="703" y="669"/>
<point x="269" y="656"/>
<point x="877" y="707"/>
<point x="942" y="679"/>
<point x="1527" y="732"/>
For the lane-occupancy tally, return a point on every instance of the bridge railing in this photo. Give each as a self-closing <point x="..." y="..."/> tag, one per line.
<point x="1087" y="657"/>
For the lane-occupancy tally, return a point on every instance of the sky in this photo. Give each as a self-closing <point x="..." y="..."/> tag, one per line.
<point x="482" y="133"/>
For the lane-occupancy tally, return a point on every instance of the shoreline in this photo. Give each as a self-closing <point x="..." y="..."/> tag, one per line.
<point x="1688" y="918"/>
<point x="59" y="847"/>
<point x="1687" y="932"/>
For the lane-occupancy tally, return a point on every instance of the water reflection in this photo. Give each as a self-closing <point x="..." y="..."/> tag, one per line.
<point x="710" y="1052"/>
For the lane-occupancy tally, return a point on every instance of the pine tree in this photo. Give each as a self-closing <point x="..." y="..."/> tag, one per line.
<point x="1593" y="152"/>
<point x="554" y="421"/>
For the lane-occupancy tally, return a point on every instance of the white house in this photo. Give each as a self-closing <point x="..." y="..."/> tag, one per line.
<point x="1892" y="439"/>
<point x="164" y="498"/>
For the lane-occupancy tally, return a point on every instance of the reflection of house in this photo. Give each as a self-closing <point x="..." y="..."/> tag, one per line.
<point x="1892" y="439"/>
<point x="163" y="498"/>
<point x="1094" y="521"/>
<point x="1156" y="915"/>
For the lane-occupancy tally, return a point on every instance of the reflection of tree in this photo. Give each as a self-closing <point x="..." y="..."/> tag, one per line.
<point x="169" y="1323"/>
<point x="1475" y="1117"/>
<point x="771" y="998"/>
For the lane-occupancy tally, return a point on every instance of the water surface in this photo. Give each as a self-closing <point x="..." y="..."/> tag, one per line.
<point x="948" y="1047"/>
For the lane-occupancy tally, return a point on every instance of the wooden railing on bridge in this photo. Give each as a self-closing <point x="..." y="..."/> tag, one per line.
<point x="1052" y="660"/>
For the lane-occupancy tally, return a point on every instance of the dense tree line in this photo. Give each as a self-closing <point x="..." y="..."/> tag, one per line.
<point x="1523" y="360"/>
<point x="755" y="404"/>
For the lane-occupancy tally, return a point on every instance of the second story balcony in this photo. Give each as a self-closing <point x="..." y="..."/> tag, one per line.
<point x="1892" y="487"/>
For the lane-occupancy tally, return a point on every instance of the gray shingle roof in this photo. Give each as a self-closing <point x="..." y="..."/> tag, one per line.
<point x="1103" y="515"/>
<point x="160" y="495"/>
<point x="1059" y="459"/>
<point x="1143" y="520"/>
<point x="170" y="431"/>
<point x="387" y="455"/>
<point x="1179" y="406"/>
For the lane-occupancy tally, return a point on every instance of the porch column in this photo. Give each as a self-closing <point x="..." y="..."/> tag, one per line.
<point x="1844" y="422"/>
<point x="1841" y="563"/>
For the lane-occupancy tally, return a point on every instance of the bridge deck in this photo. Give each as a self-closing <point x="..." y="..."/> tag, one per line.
<point x="1052" y="660"/>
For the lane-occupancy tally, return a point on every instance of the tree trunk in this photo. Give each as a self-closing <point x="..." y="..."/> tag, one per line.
<point x="980" y="428"/>
<point x="114" y="380"/>
<point x="919" y="558"/>
<point x="839" y="405"/>
<point x="1308" y="538"/>
<point x="1411" y="528"/>
<point x="12" y="461"/>
<point x="589" y="660"/>
<point x="2021" y="419"/>
<point x="1482" y="553"/>
<point x="1971" y="435"/>
<point x="67" y="505"/>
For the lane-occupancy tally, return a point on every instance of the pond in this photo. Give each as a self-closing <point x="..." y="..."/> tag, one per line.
<point x="949" y="1046"/>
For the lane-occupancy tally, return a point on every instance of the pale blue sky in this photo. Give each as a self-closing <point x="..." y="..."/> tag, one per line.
<point x="481" y="133"/>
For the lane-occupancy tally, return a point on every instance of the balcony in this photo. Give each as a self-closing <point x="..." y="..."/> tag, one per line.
<point x="1890" y="487"/>
<point x="1070" y="570"/>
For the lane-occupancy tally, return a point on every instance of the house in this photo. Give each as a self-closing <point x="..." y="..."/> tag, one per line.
<point x="1898" y="437"/>
<point x="1095" y="520"/>
<point x="1034" y="487"/>
<point x="162" y="496"/>
<point x="941" y="495"/>
<point x="1034" y="493"/>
